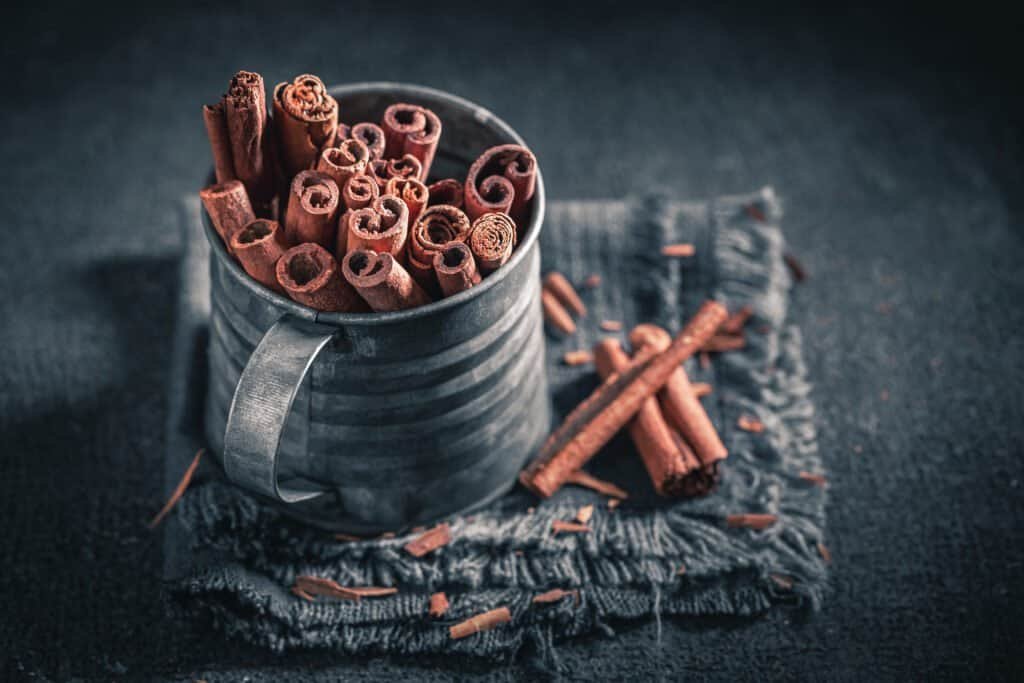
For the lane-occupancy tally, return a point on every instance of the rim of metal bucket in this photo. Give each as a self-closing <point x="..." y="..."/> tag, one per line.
<point x="481" y="114"/>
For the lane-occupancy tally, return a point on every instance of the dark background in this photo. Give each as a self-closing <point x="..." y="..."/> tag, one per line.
<point x="891" y="135"/>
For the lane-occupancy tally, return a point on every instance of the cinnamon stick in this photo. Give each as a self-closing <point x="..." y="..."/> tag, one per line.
<point x="720" y="343"/>
<point x="371" y="135"/>
<point x="678" y="250"/>
<point x="258" y="246"/>
<point x="411" y="129"/>
<point x="481" y="622"/>
<point x="455" y="268"/>
<point x="438" y="605"/>
<point x="179" y="490"/>
<point x="680" y="404"/>
<point x="555" y="313"/>
<point x="245" y="111"/>
<point x="611" y="325"/>
<point x="220" y="144"/>
<point x="383" y="227"/>
<point x="430" y="540"/>
<point x="492" y="239"/>
<point x="309" y="275"/>
<point x="555" y="595"/>
<point x="562" y="526"/>
<point x="436" y="227"/>
<point x="348" y="159"/>
<point x="558" y="285"/>
<point x="578" y="357"/>
<point x="312" y="212"/>
<point x="583" y="478"/>
<point x="382" y="281"/>
<point x="588" y="428"/>
<point x="359" y="192"/>
<point x="754" y="521"/>
<point x="229" y="209"/>
<point x="315" y="585"/>
<point x="383" y="170"/>
<point x="701" y="389"/>
<point x="447" y="191"/>
<point x="412" y="192"/>
<point x="669" y="462"/>
<point x="306" y="120"/>
<point x="503" y="179"/>
<point x="736" y="321"/>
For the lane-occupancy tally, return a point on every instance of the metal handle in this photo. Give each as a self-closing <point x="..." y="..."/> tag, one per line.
<point x="263" y="399"/>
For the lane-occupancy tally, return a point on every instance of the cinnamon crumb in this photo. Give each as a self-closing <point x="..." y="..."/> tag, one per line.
<point x="387" y="534"/>
<point x="813" y="478"/>
<point x="530" y="510"/>
<point x="720" y="343"/>
<point x="611" y="325"/>
<point x="782" y="581"/>
<point x="429" y="541"/>
<point x="825" y="553"/>
<point x="702" y="389"/>
<point x="560" y="526"/>
<point x="756" y="521"/>
<point x="582" y="478"/>
<point x="885" y="307"/>
<point x="750" y="424"/>
<point x="310" y="586"/>
<point x="554" y="595"/>
<point x="438" y="605"/>
<point x="517" y="553"/>
<point x="858" y="449"/>
<point x="593" y="281"/>
<point x="179" y="490"/>
<point x="372" y="591"/>
<point x="302" y="594"/>
<point x="584" y="514"/>
<point x="578" y="357"/>
<point x="481" y="622"/>
<point x="681" y="250"/>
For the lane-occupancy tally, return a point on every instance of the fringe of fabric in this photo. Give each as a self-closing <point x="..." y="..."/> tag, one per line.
<point x="628" y="565"/>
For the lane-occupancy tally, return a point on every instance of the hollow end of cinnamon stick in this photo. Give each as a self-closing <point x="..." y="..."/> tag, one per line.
<point x="447" y="191"/>
<point x="430" y="540"/>
<point x="309" y="275"/>
<point x="258" y="247"/>
<point x="455" y="268"/>
<point x="381" y="281"/>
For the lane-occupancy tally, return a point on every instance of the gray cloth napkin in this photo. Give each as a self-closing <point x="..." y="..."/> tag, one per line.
<point x="232" y="560"/>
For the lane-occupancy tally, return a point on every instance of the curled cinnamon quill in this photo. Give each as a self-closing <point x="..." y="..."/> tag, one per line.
<point x="381" y="281"/>
<point x="447" y="191"/>
<point x="455" y="268"/>
<point x="312" y="211"/>
<point x="412" y="192"/>
<point x="258" y="246"/>
<point x="371" y="135"/>
<point x="348" y="159"/>
<point x="220" y="144"/>
<point x="492" y="239"/>
<point x="411" y="129"/>
<point x="383" y="170"/>
<point x="504" y="179"/>
<point x="245" y="110"/>
<point x="436" y="227"/>
<point x="359" y="191"/>
<point x="228" y="207"/>
<point x="309" y="275"/>
<point x="383" y="226"/>
<point x="306" y="118"/>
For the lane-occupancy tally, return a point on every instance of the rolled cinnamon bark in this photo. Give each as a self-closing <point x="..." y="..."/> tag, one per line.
<point x="555" y="313"/>
<point x="245" y="109"/>
<point x="229" y="208"/>
<point x="680" y="404"/>
<point x="436" y="227"/>
<point x="447" y="191"/>
<point x="411" y="129"/>
<point x="455" y="268"/>
<point x="258" y="247"/>
<point x="312" y="211"/>
<point x="558" y="285"/>
<point x="360" y="191"/>
<point x="492" y="239"/>
<point x="306" y="117"/>
<point x="383" y="170"/>
<point x="381" y="281"/>
<point x="595" y="421"/>
<point x="383" y="226"/>
<point x="410" y="191"/>
<point x="371" y="135"/>
<point x="309" y="275"/>
<point x="485" y="191"/>
<point x="220" y="143"/>
<point x="348" y="159"/>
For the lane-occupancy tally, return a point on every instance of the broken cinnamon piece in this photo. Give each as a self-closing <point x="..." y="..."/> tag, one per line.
<point x="258" y="246"/>
<point x="782" y="581"/>
<point x="312" y="211"/>
<point x="372" y="591"/>
<point x="429" y="541"/>
<point x="724" y="342"/>
<point x="455" y="268"/>
<point x="813" y="478"/>
<point x="503" y="179"/>
<point x="701" y="389"/>
<point x="587" y="480"/>
<point x="584" y="514"/>
<point x="492" y="238"/>
<point x="796" y="268"/>
<point x="678" y="250"/>
<point x="447" y="191"/>
<point x="681" y="406"/>
<point x="310" y="275"/>
<point x="578" y="357"/>
<point x="371" y="135"/>
<point x="382" y="281"/>
<point x="346" y="160"/>
<point x="315" y="585"/>
<point x="593" y="281"/>
<point x="736" y="321"/>
<point x="229" y="208"/>
<point x="306" y="121"/>
<point x="611" y="325"/>
<point x="555" y="595"/>
<point x="669" y="462"/>
<point x="563" y="290"/>
<point x="179" y="490"/>
<point x="220" y="144"/>
<point x="562" y="526"/>
<point x="756" y="521"/>
<point x="824" y="552"/>
<point x="614" y="503"/>
<point x="438" y="605"/>
<point x="411" y="129"/>
<point x="750" y="424"/>
<point x="302" y="594"/>
<point x="555" y="313"/>
<point x="481" y="622"/>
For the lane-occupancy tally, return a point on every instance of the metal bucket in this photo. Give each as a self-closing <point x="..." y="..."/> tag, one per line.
<point x="372" y="422"/>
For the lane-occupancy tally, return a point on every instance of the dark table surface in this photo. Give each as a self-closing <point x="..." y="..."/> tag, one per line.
<point x="891" y="138"/>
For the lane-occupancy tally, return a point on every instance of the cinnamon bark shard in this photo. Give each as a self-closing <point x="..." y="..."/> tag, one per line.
<point x="314" y="585"/>
<point x="371" y="135"/>
<point x="179" y="490"/>
<point x="306" y="120"/>
<point x="756" y="521"/>
<point x="814" y="478"/>
<point x="555" y="595"/>
<point x="555" y="314"/>
<point x="593" y="281"/>
<point x="782" y="581"/>
<point x="429" y="541"/>
<point x="611" y="325"/>
<point x="481" y="622"/>
<point x="503" y="179"/>
<point x="796" y="268"/>
<point x="720" y="343"/>
<point x="557" y="284"/>
<point x="578" y="357"/>
<point x="312" y="212"/>
<point x="582" y="478"/>
<point x="584" y="514"/>
<point x="750" y="424"/>
<point x="678" y="250"/>
<point x="561" y="526"/>
<point x="492" y="238"/>
<point x="438" y="605"/>
<point x="825" y="553"/>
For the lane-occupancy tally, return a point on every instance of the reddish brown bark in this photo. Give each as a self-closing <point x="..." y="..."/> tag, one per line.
<point x="412" y="192"/>
<point x="411" y="129"/>
<point x="348" y="159"/>
<point x="555" y="313"/>
<point x="503" y="179"/>
<point x="382" y="282"/>
<point x="309" y="275"/>
<point x="306" y="120"/>
<point x="359" y="191"/>
<point x="438" y="605"/>
<point x="383" y="170"/>
<point x="258" y="246"/>
<point x="228" y="207"/>
<point x="430" y="540"/>
<point x="557" y="284"/>
<point x="455" y="268"/>
<point x="481" y="622"/>
<point x="245" y="110"/>
<point x="383" y="226"/>
<point x="371" y="135"/>
<point x="312" y="212"/>
<point x="447" y="191"/>
<point x="436" y="227"/>
<point x="220" y="144"/>
<point x="492" y="239"/>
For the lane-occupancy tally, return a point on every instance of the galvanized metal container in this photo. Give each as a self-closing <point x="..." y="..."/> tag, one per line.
<point x="372" y="422"/>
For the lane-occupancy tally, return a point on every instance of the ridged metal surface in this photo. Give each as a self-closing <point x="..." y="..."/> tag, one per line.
<point x="411" y="416"/>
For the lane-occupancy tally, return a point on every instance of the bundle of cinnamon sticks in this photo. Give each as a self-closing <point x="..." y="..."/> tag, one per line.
<point x="340" y="217"/>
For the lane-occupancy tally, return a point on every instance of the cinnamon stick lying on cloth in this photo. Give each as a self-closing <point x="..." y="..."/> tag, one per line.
<point x="680" y="404"/>
<point x="492" y="239"/>
<point x="306" y="120"/>
<point x="348" y="159"/>
<point x="447" y="191"/>
<point x="312" y="211"/>
<point x="436" y="227"/>
<point x="455" y="268"/>
<point x="563" y="290"/>
<point x="504" y="179"/>
<point x="383" y="226"/>
<point x="258" y="246"/>
<point x="411" y="129"/>
<point x="381" y="281"/>
<point x="309" y="274"/>
<point x="245" y="110"/>
<point x="481" y="622"/>
<point x="412" y="192"/>
<point x="595" y="421"/>
<point x="669" y="463"/>
<point x="229" y="208"/>
<point x="555" y="313"/>
<point x="371" y="135"/>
